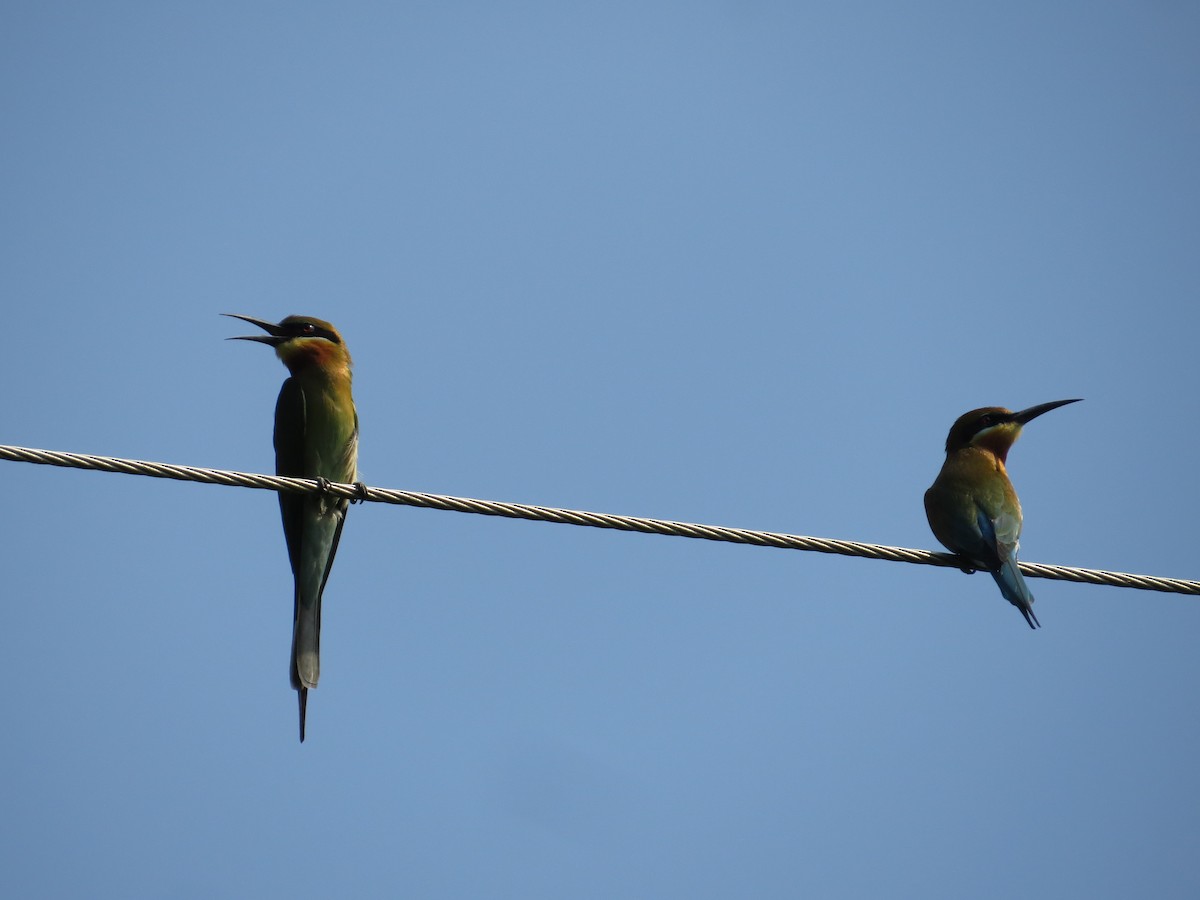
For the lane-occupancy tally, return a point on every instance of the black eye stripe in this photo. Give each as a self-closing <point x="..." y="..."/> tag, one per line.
<point x="308" y="329"/>
<point x="987" y="421"/>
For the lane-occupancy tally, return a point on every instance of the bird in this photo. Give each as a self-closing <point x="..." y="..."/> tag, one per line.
<point x="316" y="436"/>
<point x="972" y="506"/>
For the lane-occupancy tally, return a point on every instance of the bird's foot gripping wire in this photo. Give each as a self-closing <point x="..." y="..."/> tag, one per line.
<point x="966" y="567"/>
<point x="325" y="486"/>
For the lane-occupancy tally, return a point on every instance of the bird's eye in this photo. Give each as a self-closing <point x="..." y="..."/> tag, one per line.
<point x="308" y="328"/>
<point x="987" y="421"/>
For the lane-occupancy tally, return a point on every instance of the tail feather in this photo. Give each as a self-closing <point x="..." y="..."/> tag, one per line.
<point x="322" y="528"/>
<point x="1015" y="591"/>
<point x="302" y="694"/>
<point x="305" y="669"/>
<point x="306" y="642"/>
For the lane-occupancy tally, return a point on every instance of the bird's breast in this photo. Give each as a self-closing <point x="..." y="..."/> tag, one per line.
<point x="331" y="432"/>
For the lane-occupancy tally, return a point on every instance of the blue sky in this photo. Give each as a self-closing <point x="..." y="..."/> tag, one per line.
<point x="732" y="263"/>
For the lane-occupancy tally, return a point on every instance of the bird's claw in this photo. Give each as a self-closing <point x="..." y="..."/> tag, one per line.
<point x="325" y="486"/>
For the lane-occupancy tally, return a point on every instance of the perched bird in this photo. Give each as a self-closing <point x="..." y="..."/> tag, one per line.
<point x="972" y="507"/>
<point x="316" y="436"/>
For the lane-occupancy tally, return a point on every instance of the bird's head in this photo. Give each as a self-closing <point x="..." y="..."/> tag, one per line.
<point x="300" y="342"/>
<point x="995" y="428"/>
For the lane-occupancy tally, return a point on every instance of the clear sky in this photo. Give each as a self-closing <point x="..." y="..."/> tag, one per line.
<point x="738" y="263"/>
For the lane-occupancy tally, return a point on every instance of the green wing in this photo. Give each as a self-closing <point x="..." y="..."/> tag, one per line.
<point x="290" y="418"/>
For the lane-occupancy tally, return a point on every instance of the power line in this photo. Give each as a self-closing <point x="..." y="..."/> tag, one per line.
<point x="578" y="517"/>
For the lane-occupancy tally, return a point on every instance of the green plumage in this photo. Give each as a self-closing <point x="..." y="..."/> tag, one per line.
<point x="316" y="436"/>
<point x="972" y="507"/>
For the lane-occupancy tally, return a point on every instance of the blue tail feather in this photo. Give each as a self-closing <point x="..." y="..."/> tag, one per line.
<point x="1013" y="587"/>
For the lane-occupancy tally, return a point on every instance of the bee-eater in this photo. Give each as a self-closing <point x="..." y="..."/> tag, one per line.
<point x="972" y="507"/>
<point x="316" y="436"/>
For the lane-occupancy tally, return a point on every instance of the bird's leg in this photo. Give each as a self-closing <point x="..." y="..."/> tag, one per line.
<point x="322" y="484"/>
<point x="362" y="493"/>
<point x="965" y="566"/>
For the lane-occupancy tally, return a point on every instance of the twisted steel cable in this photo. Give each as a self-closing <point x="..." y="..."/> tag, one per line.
<point x="578" y="517"/>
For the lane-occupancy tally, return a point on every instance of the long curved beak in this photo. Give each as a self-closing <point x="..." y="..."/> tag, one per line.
<point x="1028" y="415"/>
<point x="274" y="334"/>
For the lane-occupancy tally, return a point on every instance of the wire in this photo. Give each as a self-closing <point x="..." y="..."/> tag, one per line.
<point x="578" y="517"/>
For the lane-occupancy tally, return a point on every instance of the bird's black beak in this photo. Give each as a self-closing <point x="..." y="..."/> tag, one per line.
<point x="274" y="334"/>
<point x="1028" y="415"/>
